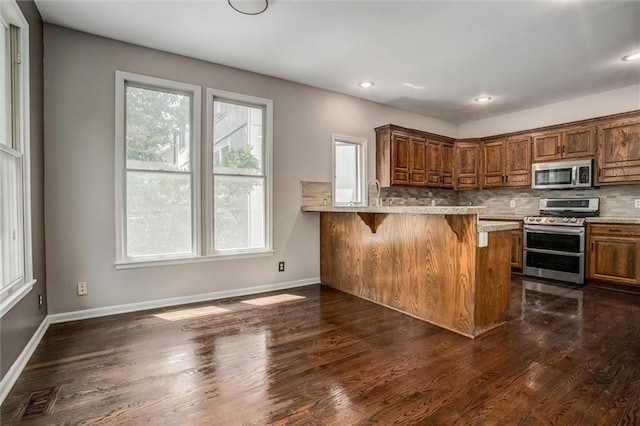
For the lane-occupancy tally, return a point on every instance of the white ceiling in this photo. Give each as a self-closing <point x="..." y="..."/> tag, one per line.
<point x="433" y="58"/>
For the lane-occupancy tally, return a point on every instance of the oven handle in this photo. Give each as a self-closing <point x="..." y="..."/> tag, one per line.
<point x="561" y="253"/>
<point x="554" y="229"/>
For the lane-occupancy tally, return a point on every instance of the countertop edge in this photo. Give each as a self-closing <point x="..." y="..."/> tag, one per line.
<point x="435" y="210"/>
<point x="493" y="226"/>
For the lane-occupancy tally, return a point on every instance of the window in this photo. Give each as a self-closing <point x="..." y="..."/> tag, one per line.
<point x="239" y="184"/>
<point x="349" y="161"/>
<point x="158" y="159"/>
<point x="16" y="274"/>
<point x="159" y="208"/>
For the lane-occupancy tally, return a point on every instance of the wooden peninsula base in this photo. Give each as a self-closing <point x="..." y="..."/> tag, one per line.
<point x="428" y="266"/>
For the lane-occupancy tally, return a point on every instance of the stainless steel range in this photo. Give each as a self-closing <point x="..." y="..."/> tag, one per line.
<point x="554" y="241"/>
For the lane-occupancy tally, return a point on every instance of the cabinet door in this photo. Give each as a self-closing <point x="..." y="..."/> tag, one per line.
<point x="434" y="164"/>
<point x="516" y="248"/>
<point x="400" y="159"/>
<point x="467" y="165"/>
<point x="493" y="163"/>
<point x="446" y="165"/>
<point x="614" y="259"/>
<point x="619" y="151"/>
<point x="418" y="164"/>
<point x="579" y="142"/>
<point x="518" y="161"/>
<point x="547" y="147"/>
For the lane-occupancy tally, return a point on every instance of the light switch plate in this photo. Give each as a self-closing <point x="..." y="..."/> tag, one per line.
<point x="637" y="204"/>
<point x="512" y="204"/>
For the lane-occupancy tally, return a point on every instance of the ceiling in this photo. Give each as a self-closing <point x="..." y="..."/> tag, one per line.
<point x="432" y="58"/>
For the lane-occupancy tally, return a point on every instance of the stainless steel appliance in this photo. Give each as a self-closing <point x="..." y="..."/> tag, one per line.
<point x="554" y="241"/>
<point x="562" y="175"/>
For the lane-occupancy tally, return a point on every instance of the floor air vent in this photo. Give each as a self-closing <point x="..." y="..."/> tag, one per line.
<point x="40" y="402"/>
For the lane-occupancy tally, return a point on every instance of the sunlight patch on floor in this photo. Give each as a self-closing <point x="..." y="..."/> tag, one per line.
<point x="271" y="300"/>
<point x="183" y="314"/>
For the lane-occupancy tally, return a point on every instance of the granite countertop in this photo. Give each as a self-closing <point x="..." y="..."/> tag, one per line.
<point x="621" y="220"/>
<point x="492" y="226"/>
<point x="504" y="216"/>
<point x="451" y="210"/>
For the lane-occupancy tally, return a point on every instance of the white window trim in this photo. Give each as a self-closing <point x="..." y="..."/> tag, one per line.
<point x="363" y="159"/>
<point x="267" y="159"/>
<point x="195" y="153"/>
<point x="10" y="12"/>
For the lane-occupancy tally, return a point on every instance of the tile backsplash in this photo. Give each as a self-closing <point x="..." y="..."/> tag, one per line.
<point x="615" y="201"/>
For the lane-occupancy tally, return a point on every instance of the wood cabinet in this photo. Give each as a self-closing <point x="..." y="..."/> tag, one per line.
<point x="407" y="157"/>
<point x="516" y="244"/>
<point x="506" y="162"/>
<point x="493" y="163"/>
<point x="614" y="253"/>
<point x="466" y="167"/>
<point x="565" y="143"/>
<point x="439" y="164"/>
<point x="619" y="151"/>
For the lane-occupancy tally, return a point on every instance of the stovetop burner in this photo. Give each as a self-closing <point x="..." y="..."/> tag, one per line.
<point x="565" y="211"/>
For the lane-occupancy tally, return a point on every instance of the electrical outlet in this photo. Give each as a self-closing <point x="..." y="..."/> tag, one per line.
<point x="512" y="204"/>
<point x="281" y="267"/>
<point x="82" y="289"/>
<point x="637" y="203"/>
<point x="40" y="300"/>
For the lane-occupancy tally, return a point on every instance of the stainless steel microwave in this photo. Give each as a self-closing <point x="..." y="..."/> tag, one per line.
<point x="562" y="175"/>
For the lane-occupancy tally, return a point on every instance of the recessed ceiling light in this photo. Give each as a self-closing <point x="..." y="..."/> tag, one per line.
<point x="631" y="57"/>
<point x="366" y="84"/>
<point x="483" y="99"/>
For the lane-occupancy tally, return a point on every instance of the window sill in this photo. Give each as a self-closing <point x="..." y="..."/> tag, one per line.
<point x="131" y="264"/>
<point x="14" y="297"/>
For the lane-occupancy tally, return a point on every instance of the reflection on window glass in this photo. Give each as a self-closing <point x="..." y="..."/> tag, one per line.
<point x="157" y="129"/>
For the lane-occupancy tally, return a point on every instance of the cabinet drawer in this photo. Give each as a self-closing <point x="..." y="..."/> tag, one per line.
<point x="614" y="229"/>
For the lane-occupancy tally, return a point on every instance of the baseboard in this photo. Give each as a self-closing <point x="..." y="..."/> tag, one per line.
<point x="14" y="372"/>
<point x="162" y="303"/>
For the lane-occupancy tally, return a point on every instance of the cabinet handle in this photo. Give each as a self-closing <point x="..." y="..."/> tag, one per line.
<point x="557" y="150"/>
<point x="593" y="245"/>
<point x="563" y="147"/>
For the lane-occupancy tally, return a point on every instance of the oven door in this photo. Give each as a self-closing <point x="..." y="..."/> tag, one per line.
<point x="555" y="252"/>
<point x="555" y="238"/>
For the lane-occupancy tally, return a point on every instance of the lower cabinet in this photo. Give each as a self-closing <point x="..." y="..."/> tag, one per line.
<point x="516" y="244"/>
<point x="613" y="253"/>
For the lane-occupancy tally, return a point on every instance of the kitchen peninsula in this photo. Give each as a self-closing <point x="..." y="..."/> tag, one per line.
<point x="438" y="264"/>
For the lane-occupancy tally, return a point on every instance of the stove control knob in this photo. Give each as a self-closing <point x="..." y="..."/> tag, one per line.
<point x="538" y="219"/>
<point x="566" y="219"/>
<point x="574" y="220"/>
<point x="552" y="220"/>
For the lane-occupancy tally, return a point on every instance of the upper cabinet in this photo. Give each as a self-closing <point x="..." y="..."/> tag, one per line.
<point x="565" y="143"/>
<point x="439" y="164"/>
<point x="405" y="157"/>
<point x="506" y="162"/>
<point x="518" y="161"/>
<point x="619" y="150"/>
<point x="466" y="167"/>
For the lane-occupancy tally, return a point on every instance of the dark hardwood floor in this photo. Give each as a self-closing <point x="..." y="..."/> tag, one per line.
<point x="569" y="358"/>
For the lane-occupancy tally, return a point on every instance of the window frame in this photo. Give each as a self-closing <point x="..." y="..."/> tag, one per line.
<point x="19" y="114"/>
<point x="362" y="160"/>
<point x="122" y="79"/>
<point x="267" y="160"/>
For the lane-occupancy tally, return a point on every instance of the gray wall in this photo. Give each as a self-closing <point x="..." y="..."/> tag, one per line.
<point x="19" y="324"/>
<point x="79" y="176"/>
